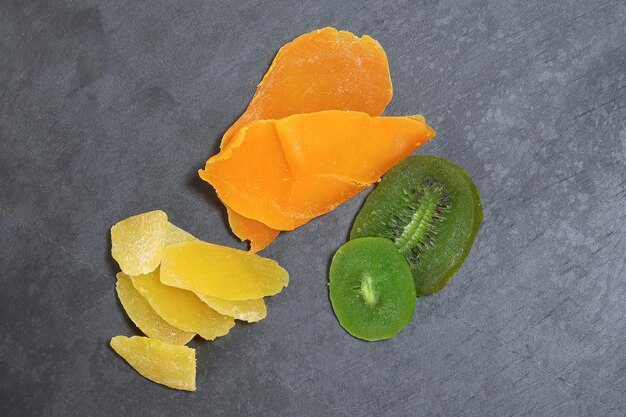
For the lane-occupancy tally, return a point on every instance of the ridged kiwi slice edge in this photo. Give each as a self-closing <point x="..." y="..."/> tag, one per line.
<point x="430" y="208"/>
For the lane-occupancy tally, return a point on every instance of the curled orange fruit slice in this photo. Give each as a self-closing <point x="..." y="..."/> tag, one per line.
<point x="286" y="172"/>
<point x="325" y="69"/>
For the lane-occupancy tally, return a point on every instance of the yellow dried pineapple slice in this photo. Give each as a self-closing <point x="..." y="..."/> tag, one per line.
<point x="246" y="310"/>
<point x="137" y="242"/>
<point x="144" y="317"/>
<point x="175" y="235"/>
<point x="171" y="365"/>
<point x="182" y="309"/>
<point x="221" y="272"/>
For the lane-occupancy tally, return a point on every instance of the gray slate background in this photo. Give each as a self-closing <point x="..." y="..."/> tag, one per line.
<point x="108" y="108"/>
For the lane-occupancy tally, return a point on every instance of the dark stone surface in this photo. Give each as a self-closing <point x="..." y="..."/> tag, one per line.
<point x="108" y="108"/>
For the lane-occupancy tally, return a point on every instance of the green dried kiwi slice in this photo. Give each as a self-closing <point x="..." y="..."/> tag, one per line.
<point x="371" y="288"/>
<point x="430" y="208"/>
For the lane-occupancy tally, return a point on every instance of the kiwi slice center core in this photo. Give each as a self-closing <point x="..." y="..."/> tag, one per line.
<point x="417" y="230"/>
<point x="368" y="291"/>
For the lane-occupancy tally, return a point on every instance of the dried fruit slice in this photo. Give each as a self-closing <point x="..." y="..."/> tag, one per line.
<point x="170" y="365"/>
<point x="148" y="321"/>
<point x="325" y="69"/>
<point x="176" y="234"/>
<point x="221" y="272"/>
<point x="286" y="172"/>
<point x="371" y="288"/>
<point x="137" y="242"/>
<point x="182" y="309"/>
<point x="431" y="209"/>
<point x="259" y="234"/>
<point x="246" y="310"/>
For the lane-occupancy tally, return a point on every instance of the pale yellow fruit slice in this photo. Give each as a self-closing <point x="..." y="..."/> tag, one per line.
<point x="246" y="310"/>
<point x="171" y="365"/>
<point x="221" y="272"/>
<point x="144" y="317"/>
<point x="137" y="242"/>
<point x="175" y="235"/>
<point x="182" y="309"/>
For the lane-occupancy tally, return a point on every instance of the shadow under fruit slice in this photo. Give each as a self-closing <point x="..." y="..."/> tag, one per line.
<point x="144" y="316"/>
<point x="170" y="365"/>
<point x="325" y="69"/>
<point x="286" y="172"/>
<point x="137" y="242"/>
<point x="430" y="208"/>
<point x="221" y="272"/>
<point x="182" y="309"/>
<point x="371" y="288"/>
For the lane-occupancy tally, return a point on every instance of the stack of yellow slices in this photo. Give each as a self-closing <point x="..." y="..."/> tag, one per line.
<point x="174" y="286"/>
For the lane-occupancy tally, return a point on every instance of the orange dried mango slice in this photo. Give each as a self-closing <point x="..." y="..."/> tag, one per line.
<point x="145" y="318"/>
<point x="325" y="69"/>
<point x="182" y="309"/>
<point x="286" y="172"/>
<point x="221" y="272"/>
<point x="175" y="235"/>
<point x="170" y="365"/>
<point x="137" y="242"/>
<point x="246" y="310"/>
<point x="259" y="234"/>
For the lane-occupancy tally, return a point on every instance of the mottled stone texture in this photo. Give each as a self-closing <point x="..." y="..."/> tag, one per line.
<point x="108" y="109"/>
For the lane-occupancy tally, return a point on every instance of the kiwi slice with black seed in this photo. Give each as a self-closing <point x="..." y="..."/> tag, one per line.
<point x="430" y="208"/>
<point x="371" y="288"/>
